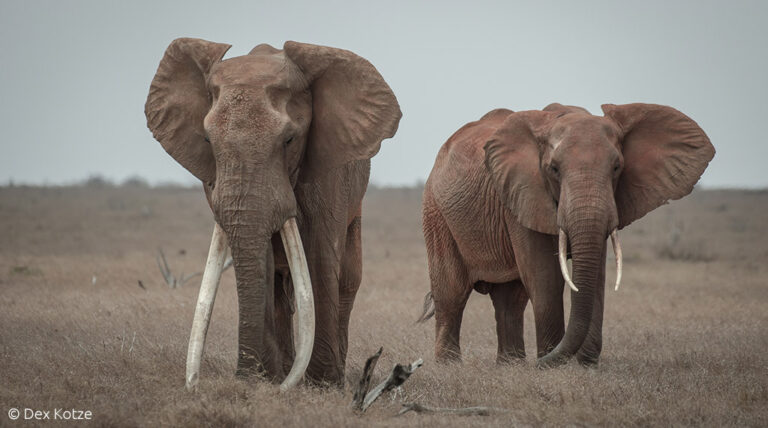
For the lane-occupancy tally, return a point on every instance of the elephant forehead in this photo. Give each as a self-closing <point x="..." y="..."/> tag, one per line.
<point x="273" y="70"/>
<point x="583" y="129"/>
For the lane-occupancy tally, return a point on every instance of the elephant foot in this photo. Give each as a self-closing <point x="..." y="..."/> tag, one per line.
<point x="510" y="358"/>
<point x="326" y="377"/>
<point x="588" y="362"/>
<point x="249" y="372"/>
<point x="447" y="356"/>
<point x="326" y="384"/>
<point x="447" y="351"/>
<point x="251" y="366"/>
<point x="248" y="365"/>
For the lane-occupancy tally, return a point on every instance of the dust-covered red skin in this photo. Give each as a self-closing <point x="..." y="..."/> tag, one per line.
<point x="502" y="189"/>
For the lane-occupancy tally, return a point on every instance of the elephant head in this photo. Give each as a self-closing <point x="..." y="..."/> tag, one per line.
<point x="250" y="128"/>
<point x="563" y="171"/>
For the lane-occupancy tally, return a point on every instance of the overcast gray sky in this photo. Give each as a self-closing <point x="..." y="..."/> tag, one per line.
<point x="75" y="74"/>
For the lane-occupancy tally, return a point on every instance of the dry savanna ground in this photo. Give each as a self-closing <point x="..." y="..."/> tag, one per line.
<point x="685" y="338"/>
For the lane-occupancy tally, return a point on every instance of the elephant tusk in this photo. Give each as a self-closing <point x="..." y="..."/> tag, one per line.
<point x="562" y="251"/>
<point x="210" y="283"/>
<point x="617" y="253"/>
<point x="305" y="306"/>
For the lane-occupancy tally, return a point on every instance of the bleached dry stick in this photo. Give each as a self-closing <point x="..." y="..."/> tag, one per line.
<point x="399" y="375"/>
<point x="466" y="411"/>
<point x="169" y="277"/>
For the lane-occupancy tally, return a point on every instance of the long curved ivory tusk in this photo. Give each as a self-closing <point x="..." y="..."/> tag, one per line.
<point x="617" y="253"/>
<point x="210" y="283"/>
<point x="562" y="250"/>
<point x="305" y="305"/>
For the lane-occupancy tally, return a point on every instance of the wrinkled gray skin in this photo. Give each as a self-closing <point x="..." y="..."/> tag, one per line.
<point x="272" y="135"/>
<point x="502" y="189"/>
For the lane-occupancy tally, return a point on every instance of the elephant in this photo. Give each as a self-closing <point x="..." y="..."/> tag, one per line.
<point x="281" y="141"/>
<point x="513" y="194"/>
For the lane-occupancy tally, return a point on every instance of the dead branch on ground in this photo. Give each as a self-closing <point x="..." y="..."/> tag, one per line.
<point x="466" y="411"/>
<point x="365" y="380"/>
<point x="397" y="377"/>
<point x="169" y="277"/>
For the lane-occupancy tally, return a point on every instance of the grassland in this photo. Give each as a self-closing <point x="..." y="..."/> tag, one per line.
<point x="685" y="339"/>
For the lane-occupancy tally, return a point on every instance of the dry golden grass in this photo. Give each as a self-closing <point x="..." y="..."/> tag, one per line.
<point x="684" y="343"/>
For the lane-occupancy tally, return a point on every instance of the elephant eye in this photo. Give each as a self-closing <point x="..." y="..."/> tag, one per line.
<point x="554" y="169"/>
<point x="288" y="141"/>
<point x="207" y="139"/>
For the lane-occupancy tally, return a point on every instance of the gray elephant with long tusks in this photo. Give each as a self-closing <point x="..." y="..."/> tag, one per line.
<point x="282" y="142"/>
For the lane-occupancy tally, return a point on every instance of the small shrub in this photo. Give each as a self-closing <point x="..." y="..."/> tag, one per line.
<point x="97" y="181"/>
<point x="25" y="271"/>
<point x="135" y="182"/>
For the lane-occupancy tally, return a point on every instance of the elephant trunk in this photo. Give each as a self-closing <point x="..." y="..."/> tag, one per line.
<point x="253" y="260"/>
<point x="587" y="222"/>
<point x="249" y="220"/>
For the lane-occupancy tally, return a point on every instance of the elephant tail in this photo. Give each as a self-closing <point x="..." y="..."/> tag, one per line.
<point x="429" y="308"/>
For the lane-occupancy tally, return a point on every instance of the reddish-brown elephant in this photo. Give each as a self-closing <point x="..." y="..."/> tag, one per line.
<point x="511" y="191"/>
<point x="282" y="141"/>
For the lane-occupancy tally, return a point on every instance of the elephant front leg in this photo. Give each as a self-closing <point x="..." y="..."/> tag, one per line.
<point x="349" y="283"/>
<point x="335" y="272"/>
<point x="326" y="364"/>
<point x="536" y="258"/>
<point x="331" y="362"/>
<point x="509" y="301"/>
<point x="589" y="353"/>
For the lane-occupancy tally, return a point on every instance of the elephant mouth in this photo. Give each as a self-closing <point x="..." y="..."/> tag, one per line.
<point x="563" y="251"/>
<point x="297" y="262"/>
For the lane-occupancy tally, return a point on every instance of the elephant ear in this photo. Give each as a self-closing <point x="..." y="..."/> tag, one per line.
<point x="353" y="107"/>
<point x="513" y="158"/>
<point x="665" y="153"/>
<point x="179" y="100"/>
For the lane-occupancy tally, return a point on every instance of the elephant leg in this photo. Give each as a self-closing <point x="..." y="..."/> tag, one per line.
<point x="548" y="314"/>
<point x="450" y="286"/>
<point x="536" y="258"/>
<point x="325" y="365"/>
<point x="589" y="353"/>
<point x="349" y="283"/>
<point x="327" y="203"/>
<point x="450" y="291"/>
<point x="509" y="301"/>
<point x="284" y="319"/>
